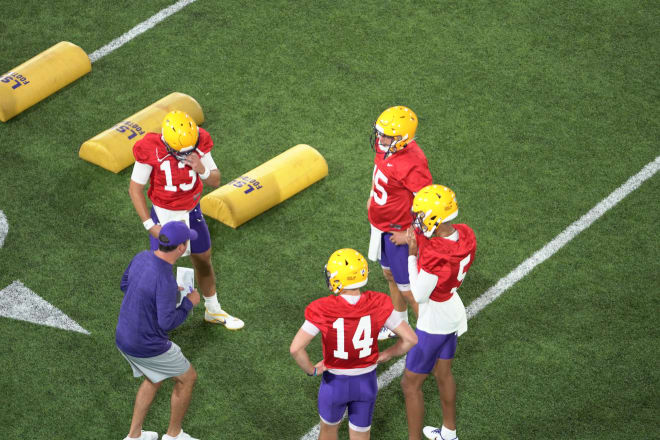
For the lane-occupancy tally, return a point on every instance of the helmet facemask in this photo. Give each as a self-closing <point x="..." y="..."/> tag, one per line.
<point x="425" y="223"/>
<point x="182" y="154"/>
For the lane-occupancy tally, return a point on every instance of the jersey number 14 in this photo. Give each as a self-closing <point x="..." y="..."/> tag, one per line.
<point x="362" y="339"/>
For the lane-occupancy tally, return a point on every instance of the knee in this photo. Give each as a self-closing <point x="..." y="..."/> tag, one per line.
<point x="408" y="386"/>
<point x="388" y="275"/>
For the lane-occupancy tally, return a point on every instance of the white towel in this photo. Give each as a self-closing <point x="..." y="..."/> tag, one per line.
<point x="374" y="244"/>
<point x="167" y="215"/>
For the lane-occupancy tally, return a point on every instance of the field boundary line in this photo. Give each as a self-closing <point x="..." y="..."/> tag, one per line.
<point x="524" y="268"/>
<point x="139" y="29"/>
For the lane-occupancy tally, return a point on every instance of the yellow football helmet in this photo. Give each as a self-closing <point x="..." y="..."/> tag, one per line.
<point x="180" y="134"/>
<point x="346" y="269"/>
<point x="432" y="205"/>
<point x="393" y="129"/>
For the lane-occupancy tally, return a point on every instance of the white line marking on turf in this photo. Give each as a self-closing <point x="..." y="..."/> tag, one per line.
<point x="4" y="228"/>
<point x="139" y="29"/>
<point x="526" y="266"/>
<point x="19" y="302"/>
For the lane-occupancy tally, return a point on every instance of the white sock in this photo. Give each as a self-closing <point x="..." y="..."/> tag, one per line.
<point x="211" y="303"/>
<point x="404" y="315"/>
<point x="448" y="434"/>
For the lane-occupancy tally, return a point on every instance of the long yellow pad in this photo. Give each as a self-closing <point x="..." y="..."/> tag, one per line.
<point x="113" y="148"/>
<point x="271" y="183"/>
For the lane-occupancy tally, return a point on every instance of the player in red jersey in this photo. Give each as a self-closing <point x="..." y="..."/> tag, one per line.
<point x="400" y="170"/>
<point x="175" y="162"/>
<point x="440" y="256"/>
<point x="348" y="322"/>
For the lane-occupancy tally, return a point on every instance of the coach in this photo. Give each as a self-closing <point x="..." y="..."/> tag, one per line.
<point x="148" y="311"/>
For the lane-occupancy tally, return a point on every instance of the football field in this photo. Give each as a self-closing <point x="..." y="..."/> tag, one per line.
<point x="537" y="114"/>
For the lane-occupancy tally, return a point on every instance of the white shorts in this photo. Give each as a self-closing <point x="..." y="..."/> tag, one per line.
<point x="172" y="363"/>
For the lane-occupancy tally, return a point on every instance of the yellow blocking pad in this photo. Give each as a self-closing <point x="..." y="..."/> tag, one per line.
<point x="271" y="183"/>
<point x="40" y="77"/>
<point x="113" y="148"/>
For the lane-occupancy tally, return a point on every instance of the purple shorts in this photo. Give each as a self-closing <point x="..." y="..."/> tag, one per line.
<point x="358" y="393"/>
<point x="197" y="222"/>
<point x="396" y="258"/>
<point x="422" y="357"/>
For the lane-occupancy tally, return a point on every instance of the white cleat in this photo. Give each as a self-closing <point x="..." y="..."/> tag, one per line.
<point x="385" y="333"/>
<point x="224" y="318"/>
<point x="146" y="435"/>
<point x="182" y="436"/>
<point x="433" y="433"/>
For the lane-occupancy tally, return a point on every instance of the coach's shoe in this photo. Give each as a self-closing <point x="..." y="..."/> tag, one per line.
<point x="224" y="318"/>
<point x="182" y="436"/>
<point x="146" y="435"/>
<point x="434" y="433"/>
<point x="385" y="333"/>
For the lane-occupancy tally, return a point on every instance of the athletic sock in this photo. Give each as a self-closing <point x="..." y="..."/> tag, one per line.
<point x="404" y="315"/>
<point x="211" y="303"/>
<point x="448" y="434"/>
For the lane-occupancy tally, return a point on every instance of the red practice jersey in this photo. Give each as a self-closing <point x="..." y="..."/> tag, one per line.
<point x="395" y="180"/>
<point x="172" y="185"/>
<point x="448" y="260"/>
<point x="350" y="332"/>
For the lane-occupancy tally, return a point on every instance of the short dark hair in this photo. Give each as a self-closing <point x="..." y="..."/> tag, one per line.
<point x="163" y="248"/>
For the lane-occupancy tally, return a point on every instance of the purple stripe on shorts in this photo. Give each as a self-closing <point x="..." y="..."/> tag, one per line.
<point x="422" y="357"/>
<point x="357" y="393"/>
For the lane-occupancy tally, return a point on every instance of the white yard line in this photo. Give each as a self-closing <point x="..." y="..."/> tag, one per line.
<point x="139" y="29"/>
<point x="526" y="266"/>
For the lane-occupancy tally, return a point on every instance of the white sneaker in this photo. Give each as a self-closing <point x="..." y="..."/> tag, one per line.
<point x="385" y="333"/>
<point x="224" y="318"/>
<point x="182" y="436"/>
<point x="146" y="435"/>
<point x="433" y="433"/>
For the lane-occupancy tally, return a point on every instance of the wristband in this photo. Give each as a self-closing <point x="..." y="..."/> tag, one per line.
<point x="205" y="175"/>
<point x="148" y="224"/>
<point x="312" y="374"/>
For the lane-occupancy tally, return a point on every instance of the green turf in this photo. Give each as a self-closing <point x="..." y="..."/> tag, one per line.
<point x="532" y="112"/>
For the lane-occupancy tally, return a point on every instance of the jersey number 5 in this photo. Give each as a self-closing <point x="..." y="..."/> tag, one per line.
<point x="362" y="339"/>
<point x="165" y="166"/>
<point x="461" y="273"/>
<point x="380" y="196"/>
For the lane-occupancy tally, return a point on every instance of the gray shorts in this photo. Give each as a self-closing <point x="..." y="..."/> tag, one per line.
<point x="158" y="368"/>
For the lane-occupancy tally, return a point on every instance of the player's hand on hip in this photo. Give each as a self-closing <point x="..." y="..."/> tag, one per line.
<point x="155" y="230"/>
<point x="383" y="356"/>
<point x="398" y="238"/>
<point x="320" y="367"/>
<point x="194" y="297"/>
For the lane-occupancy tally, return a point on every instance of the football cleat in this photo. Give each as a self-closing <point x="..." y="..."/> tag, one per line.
<point x="180" y="134"/>
<point x="433" y="433"/>
<point x="432" y="205"/>
<point x="224" y="318"/>
<point x="393" y="130"/>
<point x="146" y="435"/>
<point x="182" y="436"/>
<point x="346" y="269"/>
<point x="385" y="333"/>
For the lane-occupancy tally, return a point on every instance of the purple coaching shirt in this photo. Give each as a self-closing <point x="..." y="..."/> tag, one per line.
<point x="148" y="310"/>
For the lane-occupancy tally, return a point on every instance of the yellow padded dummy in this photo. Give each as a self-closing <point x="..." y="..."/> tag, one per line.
<point x="40" y="77"/>
<point x="271" y="183"/>
<point x="113" y="148"/>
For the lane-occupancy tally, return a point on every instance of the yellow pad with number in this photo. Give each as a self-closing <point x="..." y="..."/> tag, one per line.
<point x="113" y="148"/>
<point x="40" y="77"/>
<point x="271" y="183"/>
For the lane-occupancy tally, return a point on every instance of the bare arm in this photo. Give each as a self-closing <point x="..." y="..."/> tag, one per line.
<point x="299" y="353"/>
<point x="407" y="339"/>
<point x="136" y="191"/>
